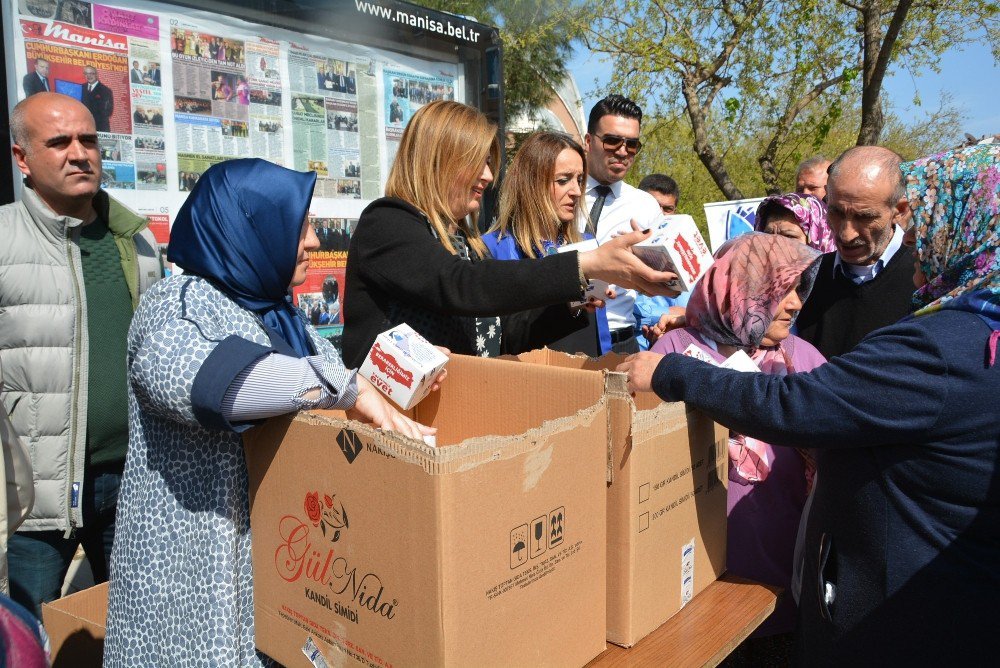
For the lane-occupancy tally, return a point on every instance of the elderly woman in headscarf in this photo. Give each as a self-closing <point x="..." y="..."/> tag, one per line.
<point x="210" y="352"/>
<point x="747" y="302"/>
<point x="798" y="217"/>
<point x="902" y="544"/>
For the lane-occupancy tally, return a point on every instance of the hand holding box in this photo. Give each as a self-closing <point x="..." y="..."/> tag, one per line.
<point x="403" y="365"/>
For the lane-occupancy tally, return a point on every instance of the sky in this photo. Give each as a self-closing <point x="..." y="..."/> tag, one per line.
<point x="971" y="77"/>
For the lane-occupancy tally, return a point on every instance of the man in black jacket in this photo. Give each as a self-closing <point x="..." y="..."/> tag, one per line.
<point x="867" y="282"/>
<point x="98" y="98"/>
<point x="37" y="81"/>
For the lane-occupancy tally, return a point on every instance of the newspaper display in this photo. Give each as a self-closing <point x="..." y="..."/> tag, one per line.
<point x="324" y="99"/>
<point x="404" y="93"/>
<point x="174" y="91"/>
<point x="321" y="297"/>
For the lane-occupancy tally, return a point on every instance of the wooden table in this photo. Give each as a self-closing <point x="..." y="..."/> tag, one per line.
<point x="704" y="632"/>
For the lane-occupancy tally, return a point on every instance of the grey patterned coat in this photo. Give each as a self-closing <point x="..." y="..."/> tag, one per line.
<point x="181" y="580"/>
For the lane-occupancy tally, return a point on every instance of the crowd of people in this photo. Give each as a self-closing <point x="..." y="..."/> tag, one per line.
<point x="863" y="475"/>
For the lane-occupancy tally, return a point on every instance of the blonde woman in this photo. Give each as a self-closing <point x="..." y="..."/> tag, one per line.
<point x="540" y="202"/>
<point x="417" y="257"/>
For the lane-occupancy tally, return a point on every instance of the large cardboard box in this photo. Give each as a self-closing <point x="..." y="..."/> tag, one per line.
<point x="487" y="550"/>
<point x="666" y="499"/>
<point x="75" y="625"/>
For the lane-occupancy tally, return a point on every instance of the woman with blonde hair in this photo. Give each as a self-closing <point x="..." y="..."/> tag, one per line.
<point x="416" y="255"/>
<point x="540" y="204"/>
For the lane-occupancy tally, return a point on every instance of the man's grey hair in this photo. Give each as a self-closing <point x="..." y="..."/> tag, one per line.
<point x="812" y="164"/>
<point x="887" y="160"/>
<point x="19" y="125"/>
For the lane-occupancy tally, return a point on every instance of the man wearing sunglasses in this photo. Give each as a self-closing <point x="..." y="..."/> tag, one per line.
<point x="612" y="142"/>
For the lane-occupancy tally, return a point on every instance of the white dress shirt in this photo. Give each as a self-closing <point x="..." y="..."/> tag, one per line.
<point x="623" y="204"/>
<point x="867" y="273"/>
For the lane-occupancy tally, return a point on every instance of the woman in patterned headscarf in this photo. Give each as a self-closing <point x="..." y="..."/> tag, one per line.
<point x="748" y="301"/>
<point x="903" y="540"/>
<point x="799" y="217"/>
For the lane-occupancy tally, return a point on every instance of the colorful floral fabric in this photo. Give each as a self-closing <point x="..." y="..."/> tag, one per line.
<point x="809" y="211"/>
<point x="955" y="198"/>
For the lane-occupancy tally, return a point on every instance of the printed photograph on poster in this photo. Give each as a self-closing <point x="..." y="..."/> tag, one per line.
<point x="268" y="126"/>
<point x="334" y="234"/>
<point x="342" y="121"/>
<point x="149" y="144"/>
<point x="193" y="45"/>
<point x="406" y="92"/>
<point x="190" y="167"/>
<point x="150" y="116"/>
<point x="76" y="12"/>
<point x="116" y="148"/>
<point x="96" y="75"/>
<point x="192" y="105"/>
<point x="309" y="108"/>
<point x="321" y="297"/>
<point x="151" y="176"/>
<point x="262" y="62"/>
<point x="145" y="73"/>
<point x="336" y="76"/>
<point x="118" y="175"/>
<point x="234" y="128"/>
<point x="270" y="98"/>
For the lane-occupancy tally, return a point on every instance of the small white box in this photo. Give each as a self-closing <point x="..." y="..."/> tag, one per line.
<point x="403" y="365"/>
<point x="738" y="361"/>
<point x="676" y="245"/>
<point x="595" y="289"/>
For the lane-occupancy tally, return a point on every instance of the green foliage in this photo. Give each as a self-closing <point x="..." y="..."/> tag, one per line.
<point x="757" y="85"/>
<point x="537" y="39"/>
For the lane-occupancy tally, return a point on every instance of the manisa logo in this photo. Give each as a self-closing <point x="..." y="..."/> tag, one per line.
<point x="299" y="559"/>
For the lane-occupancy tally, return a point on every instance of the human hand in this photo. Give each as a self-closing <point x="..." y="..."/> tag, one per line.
<point x="638" y="369"/>
<point x="373" y="408"/>
<point x="674" y="318"/>
<point x="614" y="262"/>
<point x="436" y="385"/>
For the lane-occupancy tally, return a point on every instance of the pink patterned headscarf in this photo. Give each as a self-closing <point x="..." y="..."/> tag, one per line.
<point x="809" y="211"/>
<point x="736" y="300"/>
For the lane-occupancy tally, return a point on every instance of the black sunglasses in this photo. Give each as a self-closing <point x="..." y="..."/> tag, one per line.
<point x="614" y="142"/>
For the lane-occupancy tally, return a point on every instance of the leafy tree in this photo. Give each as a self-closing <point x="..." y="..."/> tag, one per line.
<point x="916" y="34"/>
<point x="537" y="40"/>
<point x="776" y="75"/>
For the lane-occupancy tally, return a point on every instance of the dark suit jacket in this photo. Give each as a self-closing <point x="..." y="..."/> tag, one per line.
<point x="135" y="76"/>
<point x="101" y="103"/>
<point x="32" y="84"/>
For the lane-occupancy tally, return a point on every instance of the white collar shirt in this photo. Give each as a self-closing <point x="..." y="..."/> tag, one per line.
<point x="623" y="204"/>
<point x="864" y="274"/>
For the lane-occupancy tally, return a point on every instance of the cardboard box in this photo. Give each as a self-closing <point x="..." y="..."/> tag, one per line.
<point x="75" y="625"/>
<point x="487" y="550"/>
<point x="676" y="245"/>
<point x="403" y="365"/>
<point x="596" y="289"/>
<point x="666" y="501"/>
